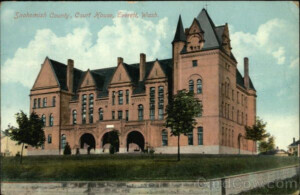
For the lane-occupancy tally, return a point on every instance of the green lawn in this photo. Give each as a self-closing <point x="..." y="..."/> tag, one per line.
<point x="134" y="167"/>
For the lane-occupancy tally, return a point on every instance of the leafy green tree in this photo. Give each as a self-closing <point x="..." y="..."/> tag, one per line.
<point x="30" y="131"/>
<point x="257" y="132"/>
<point x="67" y="149"/>
<point x="181" y="112"/>
<point x="266" y="146"/>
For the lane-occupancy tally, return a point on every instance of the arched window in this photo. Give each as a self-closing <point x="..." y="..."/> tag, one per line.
<point x="63" y="141"/>
<point x="164" y="135"/>
<point x="200" y="135"/>
<point x="51" y="120"/>
<point x="74" y="113"/>
<point x="191" y="85"/>
<point x="44" y="119"/>
<point x="49" y="139"/>
<point x="141" y="112"/>
<point x="199" y="86"/>
<point x="100" y="114"/>
<point x="53" y="101"/>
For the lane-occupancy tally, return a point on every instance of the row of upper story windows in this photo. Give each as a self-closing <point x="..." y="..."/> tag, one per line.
<point x="120" y="97"/>
<point x="51" y="120"/>
<point x="37" y="102"/>
<point x="241" y="117"/>
<point x="240" y="98"/>
<point x="101" y="115"/>
<point x="192" y="86"/>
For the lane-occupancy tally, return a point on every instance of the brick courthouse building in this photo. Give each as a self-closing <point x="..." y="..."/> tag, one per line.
<point x="83" y="107"/>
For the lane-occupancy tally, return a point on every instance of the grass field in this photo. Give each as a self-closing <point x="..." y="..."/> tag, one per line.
<point x="288" y="186"/>
<point x="134" y="167"/>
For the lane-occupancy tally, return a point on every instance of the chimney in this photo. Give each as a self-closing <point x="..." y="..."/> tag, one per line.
<point x="120" y="60"/>
<point x="142" y="66"/>
<point x="246" y="73"/>
<point x="70" y="68"/>
<point x="294" y="140"/>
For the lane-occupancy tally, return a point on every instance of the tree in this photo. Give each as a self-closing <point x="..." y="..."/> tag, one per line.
<point x="181" y="112"/>
<point x="257" y="132"/>
<point x="30" y="131"/>
<point x="113" y="139"/>
<point x="67" y="150"/>
<point x="266" y="146"/>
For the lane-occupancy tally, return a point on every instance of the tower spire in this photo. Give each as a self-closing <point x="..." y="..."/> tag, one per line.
<point x="179" y="35"/>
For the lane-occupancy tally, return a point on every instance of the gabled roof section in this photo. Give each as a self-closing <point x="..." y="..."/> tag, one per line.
<point x="60" y="71"/>
<point x="240" y="80"/>
<point x="179" y="34"/>
<point x="210" y="36"/>
<point x="296" y="143"/>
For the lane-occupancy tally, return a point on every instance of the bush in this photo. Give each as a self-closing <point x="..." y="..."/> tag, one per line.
<point x="18" y="154"/>
<point x="67" y="150"/>
<point x="151" y="150"/>
<point x="111" y="149"/>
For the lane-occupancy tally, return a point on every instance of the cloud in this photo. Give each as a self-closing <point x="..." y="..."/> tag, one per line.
<point x="294" y="63"/>
<point x="263" y="41"/>
<point x="279" y="55"/>
<point x="126" y="37"/>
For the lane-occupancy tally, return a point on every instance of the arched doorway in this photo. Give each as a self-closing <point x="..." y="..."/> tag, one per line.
<point x="87" y="141"/>
<point x="135" y="141"/>
<point x="111" y="139"/>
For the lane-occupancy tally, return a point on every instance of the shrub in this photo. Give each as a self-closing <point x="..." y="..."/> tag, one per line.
<point x="67" y="150"/>
<point x="111" y="149"/>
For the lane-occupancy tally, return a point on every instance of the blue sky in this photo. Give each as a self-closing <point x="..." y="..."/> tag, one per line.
<point x="266" y="32"/>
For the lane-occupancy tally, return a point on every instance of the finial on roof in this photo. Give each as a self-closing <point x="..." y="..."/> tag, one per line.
<point x="179" y="34"/>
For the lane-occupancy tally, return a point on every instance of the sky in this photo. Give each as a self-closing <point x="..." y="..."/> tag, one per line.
<point x="265" y="32"/>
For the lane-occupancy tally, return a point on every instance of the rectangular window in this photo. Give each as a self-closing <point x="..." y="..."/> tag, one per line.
<point x="232" y="95"/>
<point x="161" y="103"/>
<point x="83" y="109"/>
<point x="39" y="102"/>
<point x="200" y="135"/>
<point x="53" y="101"/>
<point x="120" y="97"/>
<point x="113" y="115"/>
<point x="44" y="102"/>
<point x="120" y="114"/>
<point x="195" y="63"/>
<point x="237" y="97"/>
<point x="152" y="103"/>
<point x="91" y="108"/>
<point x="127" y="115"/>
<point x="164" y="138"/>
<point x="127" y="96"/>
<point x="49" y="139"/>
<point x="190" y="138"/>
<point x="34" y="103"/>
<point x="113" y="97"/>
<point x="242" y="99"/>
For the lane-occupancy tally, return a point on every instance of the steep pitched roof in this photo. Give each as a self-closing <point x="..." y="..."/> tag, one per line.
<point x="60" y="71"/>
<point x="210" y="36"/>
<point x="295" y="143"/>
<point x="179" y="35"/>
